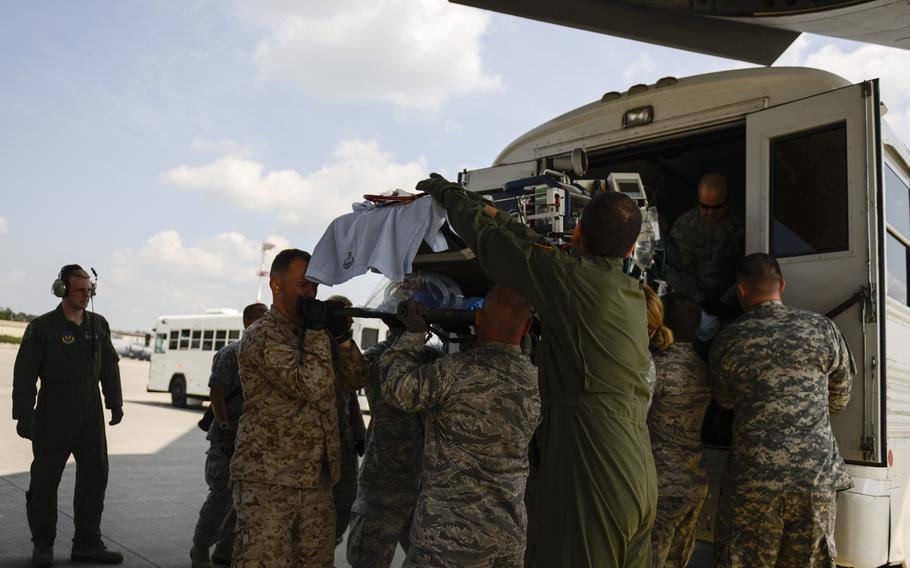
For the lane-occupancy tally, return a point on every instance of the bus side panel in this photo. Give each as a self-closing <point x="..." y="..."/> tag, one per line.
<point x="897" y="330"/>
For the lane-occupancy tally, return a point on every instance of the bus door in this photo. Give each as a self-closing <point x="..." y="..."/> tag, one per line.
<point x="812" y="179"/>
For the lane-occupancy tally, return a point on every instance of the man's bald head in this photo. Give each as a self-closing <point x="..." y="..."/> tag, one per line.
<point x="712" y="197"/>
<point x="505" y="317"/>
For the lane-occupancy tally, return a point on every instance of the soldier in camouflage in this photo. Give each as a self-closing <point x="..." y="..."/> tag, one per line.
<point x="352" y="432"/>
<point x="216" y="517"/>
<point x="710" y="239"/>
<point x="287" y="456"/>
<point x="390" y="474"/>
<point x="783" y="371"/>
<point x="482" y="408"/>
<point x="681" y="397"/>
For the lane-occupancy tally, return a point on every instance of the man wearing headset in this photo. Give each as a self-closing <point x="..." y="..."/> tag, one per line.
<point x="70" y="350"/>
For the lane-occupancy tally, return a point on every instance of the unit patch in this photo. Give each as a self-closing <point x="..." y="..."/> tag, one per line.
<point x="68" y="337"/>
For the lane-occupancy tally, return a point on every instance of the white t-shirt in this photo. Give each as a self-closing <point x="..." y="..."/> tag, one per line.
<point x="383" y="239"/>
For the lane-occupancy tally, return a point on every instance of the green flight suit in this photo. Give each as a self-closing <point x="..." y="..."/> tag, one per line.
<point x="597" y="486"/>
<point x="71" y="360"/>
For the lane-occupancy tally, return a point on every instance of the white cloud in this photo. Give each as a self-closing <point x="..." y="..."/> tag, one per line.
<point x="641" y="70"/>
<point x="221" y="146"/>
<point x="4" y="226"/>
<point x="166" y="275"/>
<point x="358" y="167"/>
<point x="412" y="53"/>
<point x="859" y="64"/>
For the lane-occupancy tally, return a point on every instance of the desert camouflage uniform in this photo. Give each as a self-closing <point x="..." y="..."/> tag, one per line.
<point x="389" y="475"/>
<point x="783" y="371"/>
<point x="681" y="397"/>
<point x="707" y="255"/>
<point x="216" y="516"/>
<point x="350" y="430"/>
<point x="287" y="455"/>
<point x="482" y="409"/>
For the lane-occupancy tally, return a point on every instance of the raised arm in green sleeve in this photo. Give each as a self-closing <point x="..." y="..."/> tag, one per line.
<point x="25" y="372"/>
<point x="511" y="256"/>
<point x="409" y="385"/>
<point x="110" y="370"/>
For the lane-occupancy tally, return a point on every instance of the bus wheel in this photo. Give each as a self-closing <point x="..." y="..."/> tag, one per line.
<point x="178" y="392"/>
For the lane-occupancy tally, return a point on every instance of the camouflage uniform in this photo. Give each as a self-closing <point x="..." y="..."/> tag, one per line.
<point x="389" y="476"/>
<point x="216" y="517"/>
<point x="783" y="371"/>
<point x="350" y="430"/>
<point x="482" y="409"/>
<point x="287" y="455"/>
<point x="681" y="397"/>
<point x="707" y="255"/>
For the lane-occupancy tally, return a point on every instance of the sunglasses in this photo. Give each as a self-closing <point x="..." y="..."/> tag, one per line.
<point x="718" y="206"/>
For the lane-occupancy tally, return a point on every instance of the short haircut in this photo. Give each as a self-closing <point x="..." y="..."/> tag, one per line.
<point x="72" y="271"/>
<point x="509" y="311"/>
<point x="759" y="272"/>
<point x="610" y="224"/>
<point x="341" y="299"/>
<point x="284" y="259"/>
<point x="682" y="315"/>
<point x="253" y="310"/>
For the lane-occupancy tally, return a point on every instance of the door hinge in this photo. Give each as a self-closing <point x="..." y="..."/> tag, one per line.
<point x="869" y="304"/>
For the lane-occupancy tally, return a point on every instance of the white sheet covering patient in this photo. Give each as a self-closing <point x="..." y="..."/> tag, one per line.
<point x="384" y="239"/>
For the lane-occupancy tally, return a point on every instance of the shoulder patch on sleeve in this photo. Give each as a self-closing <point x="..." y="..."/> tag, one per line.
<point x="29" y="329"/>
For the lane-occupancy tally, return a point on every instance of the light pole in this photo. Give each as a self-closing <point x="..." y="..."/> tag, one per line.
<point x="262" y="271"/>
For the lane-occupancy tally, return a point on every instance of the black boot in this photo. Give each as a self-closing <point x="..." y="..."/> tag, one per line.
<point x="98" y="555"/>
<point x="43" y="556"/>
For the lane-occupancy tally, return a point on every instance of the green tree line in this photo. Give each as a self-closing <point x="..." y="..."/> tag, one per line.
<point x="9" y="315"/>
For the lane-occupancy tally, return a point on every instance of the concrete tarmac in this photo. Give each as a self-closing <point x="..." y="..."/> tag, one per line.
<point x="156" y="481"/>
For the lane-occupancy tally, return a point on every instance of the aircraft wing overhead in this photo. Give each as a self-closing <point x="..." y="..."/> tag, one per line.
<point x="757" y="31"/>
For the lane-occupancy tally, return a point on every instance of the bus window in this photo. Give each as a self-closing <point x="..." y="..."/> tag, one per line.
<point x="897" y="197"/>
<point x="197" y="339"/>
<point x="207" y="339"/>
<point x="897" y="246"/>
<point x="161" y="339"/>
<point x="809" y="192"/>
<point x="220" y="337"/>
<point x="233" y="335"/>
<point x="184" y="339"/>
<point x="369" y="337"/>
<point x="172" y="345"/>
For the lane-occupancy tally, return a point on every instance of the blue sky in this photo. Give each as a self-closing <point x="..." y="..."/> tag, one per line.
<point x="162" y="142"/>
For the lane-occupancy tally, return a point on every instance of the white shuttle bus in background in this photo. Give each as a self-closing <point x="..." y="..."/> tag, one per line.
<point x="822" y="183"/>
<point x="184" y="347"/>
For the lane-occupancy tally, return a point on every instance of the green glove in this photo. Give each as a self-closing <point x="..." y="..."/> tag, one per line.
<point x="410" y="315"/>
<point x="440" y="188"/>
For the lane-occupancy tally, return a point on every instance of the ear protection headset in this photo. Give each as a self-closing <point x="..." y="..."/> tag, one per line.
<point x="60" y="287"/>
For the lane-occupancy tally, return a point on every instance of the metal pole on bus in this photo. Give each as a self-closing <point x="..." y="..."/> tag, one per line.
<point x="262" y="271"/>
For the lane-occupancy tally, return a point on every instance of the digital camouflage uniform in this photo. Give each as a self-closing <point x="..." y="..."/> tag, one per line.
<point x="681" y="397"/>
<point x="350" y="430"/>
<point x="482" y="407"/>
<point x="707" y="255"/>
<point x="596" y="487"/>
<point x="216" y="516"/>
<point x="71" y="360"/>
<point x="389" y="475"/>
<point x="783" y="371"/>
<point x="287" y="454"/>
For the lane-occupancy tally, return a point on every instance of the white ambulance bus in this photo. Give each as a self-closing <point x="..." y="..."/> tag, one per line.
<point x="184" y="347"/>
<point x="822" y="183"/>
